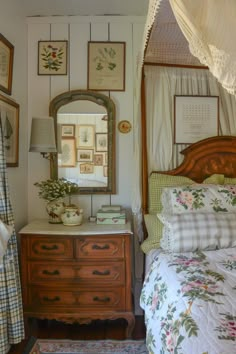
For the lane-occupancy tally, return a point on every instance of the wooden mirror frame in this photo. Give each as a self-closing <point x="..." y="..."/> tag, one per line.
<point x="108" y="104"/>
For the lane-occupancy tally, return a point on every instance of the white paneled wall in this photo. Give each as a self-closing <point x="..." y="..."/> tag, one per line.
<point x="41" y="89"/>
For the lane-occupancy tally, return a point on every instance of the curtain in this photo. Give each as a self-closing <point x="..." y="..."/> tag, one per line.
<point x="209" y="27"/>
<point x="11" y="310"/>
<point x="162" y="83"/>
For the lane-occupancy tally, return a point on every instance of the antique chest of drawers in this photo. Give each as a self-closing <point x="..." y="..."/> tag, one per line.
<point x="76" y="274"/>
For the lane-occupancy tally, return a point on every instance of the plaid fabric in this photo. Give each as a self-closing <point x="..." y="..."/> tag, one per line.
<point x="198" y="231"/>
<point x="11" y="310"/>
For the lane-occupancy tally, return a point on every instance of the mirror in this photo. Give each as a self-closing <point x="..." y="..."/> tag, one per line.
<point x="86" y="150"/>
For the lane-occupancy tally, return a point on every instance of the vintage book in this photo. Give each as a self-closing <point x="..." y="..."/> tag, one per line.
<point x="111" y="207"/>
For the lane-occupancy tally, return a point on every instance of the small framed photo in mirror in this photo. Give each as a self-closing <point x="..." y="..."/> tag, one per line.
<point x="67" y="130"/>
<point x="98" y="159"/>
<point x="68" y="156"/>
<point x="101" y="142"/>
<point x="85" y="136"/>
<point x="86" y="168"/>
<point x="84" y="155"/>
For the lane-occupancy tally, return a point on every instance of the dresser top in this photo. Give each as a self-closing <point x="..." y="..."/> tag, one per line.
<point x="43" y="227"/>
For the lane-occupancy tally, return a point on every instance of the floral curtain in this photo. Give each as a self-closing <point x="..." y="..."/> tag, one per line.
<point x="11" y="309"/>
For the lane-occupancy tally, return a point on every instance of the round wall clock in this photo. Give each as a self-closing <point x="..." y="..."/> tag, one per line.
<point x="124" y="126"/>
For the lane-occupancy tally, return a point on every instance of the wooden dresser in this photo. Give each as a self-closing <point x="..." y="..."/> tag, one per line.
<point x="77" y="273"/>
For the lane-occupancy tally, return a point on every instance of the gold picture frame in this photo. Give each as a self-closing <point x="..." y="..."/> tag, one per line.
<point x="106" y="66"/>
<point x="6" y="64"/>
<point x="85" y="136"/>
<point x="52" y="57"/>
<point x="86" y="168"/>
<point x="9" y="115"/>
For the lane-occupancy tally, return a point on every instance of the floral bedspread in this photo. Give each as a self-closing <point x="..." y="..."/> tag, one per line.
<point x="189" y="300"/>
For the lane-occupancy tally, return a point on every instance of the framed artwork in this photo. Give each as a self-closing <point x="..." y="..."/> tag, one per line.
<point x="86" y="168"/>
<point x="9" y="115"/>
<point x="85" y="136"/>
<point x="106" y="66"/>
<point x="105" y="171"/>
<point x="98" y="159"/>
<point x="101" y="141"/>
<point x="68" y="130"/>
<point x="84" y="155"/>
<point x="6" y="64"/>
<point x="68" y="156"/>
<point x="195" y="118"/>
<point x="52" y="57"/>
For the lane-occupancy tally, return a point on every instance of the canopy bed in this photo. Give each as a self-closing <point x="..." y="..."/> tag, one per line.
<point x="181" y="56"/>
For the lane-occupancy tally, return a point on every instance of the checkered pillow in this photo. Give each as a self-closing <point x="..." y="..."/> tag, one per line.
<point x="198" y="231"/>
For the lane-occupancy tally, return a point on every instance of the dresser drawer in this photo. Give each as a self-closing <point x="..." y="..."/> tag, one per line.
<point x="100" y="247"/>
<point x="83" y="299"/>
<point x="92" y="273"/>
<point x="50" y="247"/>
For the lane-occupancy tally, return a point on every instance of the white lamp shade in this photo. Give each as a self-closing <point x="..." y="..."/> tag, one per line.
<point x="42" y="135"/>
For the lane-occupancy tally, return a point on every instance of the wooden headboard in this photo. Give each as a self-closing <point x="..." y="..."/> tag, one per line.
<point x="204" y="158"/>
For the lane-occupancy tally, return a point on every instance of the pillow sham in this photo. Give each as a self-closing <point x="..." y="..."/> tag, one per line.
<point x="157" y="182"/>
<point x="203" y="198"/>
<point x="214" y="179"/>
<point x="198" y="231"/>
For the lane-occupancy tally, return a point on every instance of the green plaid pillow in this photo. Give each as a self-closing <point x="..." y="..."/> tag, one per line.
<point x="230" y="180"/>
<point x="157" y="182"/>
<point x="215" y="179"/>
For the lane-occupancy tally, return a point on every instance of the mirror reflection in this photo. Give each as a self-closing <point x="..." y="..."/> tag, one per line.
<point x="86" y="121"/>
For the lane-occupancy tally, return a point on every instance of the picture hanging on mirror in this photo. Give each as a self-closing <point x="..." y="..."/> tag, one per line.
<point x="85" y="155"/>
<point x="106" y="66"/>
<point x="67" y="130"/>
<point x="85" y="136"/>
<point x="68" y="156"/>
<point x="98" y="159"/>
<point x="101" y="142"/>
<point x="6" y="64"/>
<point x="9" y="115"/>
<point x="86" y="168"/>
<point x="52" y="57"/>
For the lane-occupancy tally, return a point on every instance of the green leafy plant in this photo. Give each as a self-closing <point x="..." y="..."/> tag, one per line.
<point x="53" y="189"/>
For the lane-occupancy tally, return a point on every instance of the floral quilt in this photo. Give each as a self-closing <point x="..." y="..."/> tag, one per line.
<point x="189" y="300"/>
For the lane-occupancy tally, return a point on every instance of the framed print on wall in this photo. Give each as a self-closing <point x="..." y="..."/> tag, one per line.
<point x="106" y="66"/>
<point x="9" y="114"/>
<point x="52" y="57"/>
<point x="68" y="130"/>
<point x="195" y="118"/>
<point x="101" y="141"/>
<point x="68" y="155"/>
<point x="85" y="136"/>
<point x="84" y="155"/>
<point x="6" y="64"/>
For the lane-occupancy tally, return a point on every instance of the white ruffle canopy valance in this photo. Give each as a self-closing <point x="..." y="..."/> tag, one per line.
<point x="209" y="27"/>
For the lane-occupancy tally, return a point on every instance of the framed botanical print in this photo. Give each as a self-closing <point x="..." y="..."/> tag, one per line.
<point x="68" y="156"/>
<point x="6" y="64"/>
<point x="101" y="142"/>
<point x="9" y="115"/>
<point x="106" y="66"/>
<point x="52" y="57"/>
<point x="85" y="136"/>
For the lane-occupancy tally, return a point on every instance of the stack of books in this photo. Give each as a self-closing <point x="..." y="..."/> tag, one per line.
<point x="111" y="215"/>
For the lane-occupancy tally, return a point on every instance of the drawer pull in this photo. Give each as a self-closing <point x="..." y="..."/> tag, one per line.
<point x="101" y="299"/>
<point x="97" y="247"/>
<point x="54" y="272"/>
<point x="56" y="298"/>
<point x="49" y="248"/>
<point x="97" y="272"/>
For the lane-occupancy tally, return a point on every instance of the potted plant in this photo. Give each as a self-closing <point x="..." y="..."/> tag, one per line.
<point x="54" y="191"/>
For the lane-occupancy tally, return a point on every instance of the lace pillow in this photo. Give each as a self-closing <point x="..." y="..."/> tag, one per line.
<point x="199" y="198"/>
<point x="198" y="231"/>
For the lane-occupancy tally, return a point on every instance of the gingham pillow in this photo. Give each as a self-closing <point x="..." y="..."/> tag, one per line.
<point x="198" y="231"/>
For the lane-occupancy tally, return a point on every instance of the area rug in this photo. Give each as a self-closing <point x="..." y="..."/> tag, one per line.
<point x="59" y="346"/>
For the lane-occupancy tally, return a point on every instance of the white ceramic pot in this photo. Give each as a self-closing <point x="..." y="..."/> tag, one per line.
<point x="72" y="216"/>
<point x="54" y="209"/>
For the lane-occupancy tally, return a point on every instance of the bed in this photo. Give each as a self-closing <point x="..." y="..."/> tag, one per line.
<point x="189" y="292"/>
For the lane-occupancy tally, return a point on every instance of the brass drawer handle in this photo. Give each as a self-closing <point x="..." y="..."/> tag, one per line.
<point x="97" y="247"/>
<point x="97" y="272"/>
<point x="54" y="272"/>
<point x="56" y="298"/>
<point x="49" y="248"/>
<point x="99" y="299"/>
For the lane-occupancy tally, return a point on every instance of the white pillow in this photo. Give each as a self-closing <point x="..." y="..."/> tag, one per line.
<point x="198" y="231"/>
<point x="5" y="234"/>
<point x="199" y="198"/>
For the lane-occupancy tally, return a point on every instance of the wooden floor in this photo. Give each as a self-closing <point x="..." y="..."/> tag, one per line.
<point x="96" y="330"/>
